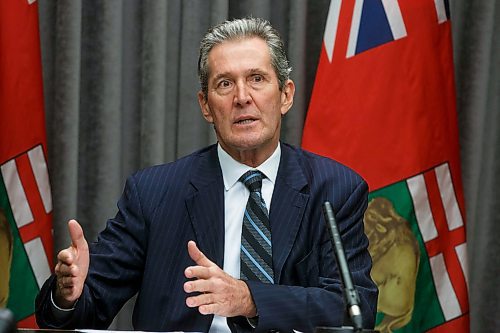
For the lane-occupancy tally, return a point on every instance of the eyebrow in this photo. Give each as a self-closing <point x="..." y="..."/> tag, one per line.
<point x="220" y="75"/>
<point x="247" y="72"/>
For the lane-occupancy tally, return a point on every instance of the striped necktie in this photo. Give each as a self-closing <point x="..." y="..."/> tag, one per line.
<point x="256" y="252"/>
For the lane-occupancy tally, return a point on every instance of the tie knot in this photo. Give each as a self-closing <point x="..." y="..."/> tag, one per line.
<point x="252" y="180"/>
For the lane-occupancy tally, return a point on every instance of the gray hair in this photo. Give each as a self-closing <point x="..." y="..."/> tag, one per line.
<point x="239" y="29"/>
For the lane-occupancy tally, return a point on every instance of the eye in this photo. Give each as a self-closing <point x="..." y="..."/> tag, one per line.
<point x="257" y="78"/>
<point x="224" y="84"/>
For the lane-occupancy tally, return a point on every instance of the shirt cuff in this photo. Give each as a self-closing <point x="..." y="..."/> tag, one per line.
<point x="253" y="322"/>
<point x="59" y="313"/>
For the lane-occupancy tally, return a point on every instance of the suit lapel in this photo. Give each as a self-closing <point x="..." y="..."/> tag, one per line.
<point x="287" y="207"/>
<point x="206" y="205"/>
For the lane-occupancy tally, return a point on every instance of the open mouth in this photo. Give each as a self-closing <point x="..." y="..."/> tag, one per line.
<point x="245" y="121"/>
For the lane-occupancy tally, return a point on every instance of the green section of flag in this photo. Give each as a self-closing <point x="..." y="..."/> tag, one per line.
<point x="426" y="311"/>
<point x="23" y="287"/>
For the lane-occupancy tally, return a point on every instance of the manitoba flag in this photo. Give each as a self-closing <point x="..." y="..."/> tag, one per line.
<point x="384" y="103"/>
<point x="25" y="199"/>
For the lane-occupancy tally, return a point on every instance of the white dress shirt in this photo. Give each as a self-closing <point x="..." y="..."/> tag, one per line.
<point x="235" y="200"/>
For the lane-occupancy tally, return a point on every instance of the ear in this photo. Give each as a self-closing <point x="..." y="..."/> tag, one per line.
<point x="205" y="108"/>
<point x="287" y="94"/>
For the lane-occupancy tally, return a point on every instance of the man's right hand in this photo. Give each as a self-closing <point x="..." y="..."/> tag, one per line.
<point x="72" y="268"/>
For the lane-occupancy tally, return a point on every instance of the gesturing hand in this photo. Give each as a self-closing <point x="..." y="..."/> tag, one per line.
<point x="72" y="267"/>
<point x="221" y="294"/>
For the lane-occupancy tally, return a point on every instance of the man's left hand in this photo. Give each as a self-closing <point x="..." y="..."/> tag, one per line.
<point x="221" y="294"/>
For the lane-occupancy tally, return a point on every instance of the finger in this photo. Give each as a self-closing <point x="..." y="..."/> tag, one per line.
<point x="202" y="299"/>
<point x="197" y="286"/>
<point x="65" y="270"/>
<point x="199" y="272"/>
<point x="208" y="309"/>
<point x="61" y="285"/>
<point x="198" y="256"/>
<point x="76" y="235"/>
<point x="66" y="281"/>
<point x="65" y="292"/>
<point x="66" y="256"/>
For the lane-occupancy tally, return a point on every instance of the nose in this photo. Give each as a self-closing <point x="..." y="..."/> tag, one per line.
<point x="242" y="96"/>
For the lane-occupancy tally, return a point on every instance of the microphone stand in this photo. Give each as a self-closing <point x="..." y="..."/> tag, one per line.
<point x="350" y="293"/>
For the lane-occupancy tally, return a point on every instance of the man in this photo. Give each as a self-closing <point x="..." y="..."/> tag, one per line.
<point x="289" y="279"/>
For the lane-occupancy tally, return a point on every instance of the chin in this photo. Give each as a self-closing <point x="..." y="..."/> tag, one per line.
<point x="248" y="143"/>
<point x="245" y="147"/>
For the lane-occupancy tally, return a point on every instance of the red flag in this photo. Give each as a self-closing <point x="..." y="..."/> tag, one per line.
<point x="384" y="103"/>
<point x="26" y="244"/>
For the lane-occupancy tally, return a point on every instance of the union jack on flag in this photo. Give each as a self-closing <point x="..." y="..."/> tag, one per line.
<point x="384" y="104"/>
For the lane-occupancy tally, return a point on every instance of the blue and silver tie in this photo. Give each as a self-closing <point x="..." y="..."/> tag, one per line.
<point x="256" y="250"/>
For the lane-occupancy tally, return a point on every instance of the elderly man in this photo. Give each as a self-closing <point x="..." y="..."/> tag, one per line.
<point x="231" y="236"/>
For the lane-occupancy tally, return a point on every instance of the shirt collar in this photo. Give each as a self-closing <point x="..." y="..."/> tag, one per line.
<point x="232" y="170"/>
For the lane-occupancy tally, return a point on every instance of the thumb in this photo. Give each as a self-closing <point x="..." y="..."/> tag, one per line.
<point x="76" y="234"/>
<point x="198" y="257"/>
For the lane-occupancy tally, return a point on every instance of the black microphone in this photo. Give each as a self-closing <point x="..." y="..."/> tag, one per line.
<point x="7" y="323"/>
<point x="350" y="293"/>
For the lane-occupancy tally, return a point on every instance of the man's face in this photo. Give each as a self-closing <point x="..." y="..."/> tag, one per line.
<point x="244" y="101"/>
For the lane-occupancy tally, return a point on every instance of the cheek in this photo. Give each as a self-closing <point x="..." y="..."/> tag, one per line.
<point x="272" y="112"/>
<point x="221" y="108"/>
<point x="211" y="115"/>
<point x="222" y="122"/>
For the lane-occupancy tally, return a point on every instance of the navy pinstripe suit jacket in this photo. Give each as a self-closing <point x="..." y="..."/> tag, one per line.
<point x="144" y="248"/>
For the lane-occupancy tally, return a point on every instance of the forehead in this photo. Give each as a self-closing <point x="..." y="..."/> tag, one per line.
<point x="237" y="54"/>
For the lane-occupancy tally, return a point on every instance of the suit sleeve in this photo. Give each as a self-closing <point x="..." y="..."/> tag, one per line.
<point x="114" y="274"/>
<point x="287" y="307"/>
